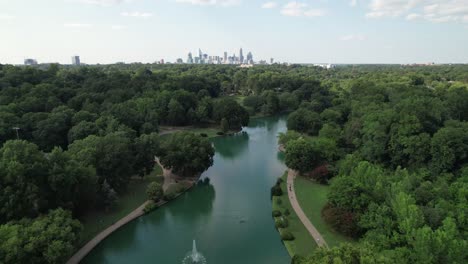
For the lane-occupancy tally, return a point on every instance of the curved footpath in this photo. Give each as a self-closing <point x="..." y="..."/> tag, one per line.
<point x="297" y="208"/>
<point x="80" y="254"/>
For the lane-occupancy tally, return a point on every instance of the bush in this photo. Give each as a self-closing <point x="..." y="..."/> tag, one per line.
<point x="281" y="222"/>
<point x="276" y="190"/>
<point x="203" y="135"/>
<point x="287" y="235"/>
<point x="279" y="201"/>
<point x="286" y="212"/>
<point x="150" y="206"/>
<point x="279" y="181"/>
<point x="155" y="191"/>
<point x="220" y="133"/>
<point x="276" y="213"/>
<point x="170" y="196"/>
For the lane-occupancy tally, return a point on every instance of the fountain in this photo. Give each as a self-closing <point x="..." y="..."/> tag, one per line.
<point x="194" y="257"/>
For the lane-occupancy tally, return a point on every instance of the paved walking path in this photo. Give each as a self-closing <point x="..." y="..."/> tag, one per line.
<point x="78" y="256"/>
<point x="302" y="216"/>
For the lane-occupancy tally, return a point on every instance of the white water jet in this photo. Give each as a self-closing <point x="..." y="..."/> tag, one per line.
<point x="194" y="257"/>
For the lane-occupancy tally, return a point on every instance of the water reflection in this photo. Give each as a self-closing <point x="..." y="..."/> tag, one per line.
<point x="230" y="147"/>
<point x="203" y="195"/>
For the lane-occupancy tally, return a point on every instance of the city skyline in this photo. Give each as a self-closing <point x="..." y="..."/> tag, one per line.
<point x="355" y="31"/>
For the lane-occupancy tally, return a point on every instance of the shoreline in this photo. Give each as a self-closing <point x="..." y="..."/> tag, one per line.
<point x="79" y="255"/>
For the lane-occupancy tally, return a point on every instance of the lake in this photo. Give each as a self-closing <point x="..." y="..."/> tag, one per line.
<point x="230" y="217"/>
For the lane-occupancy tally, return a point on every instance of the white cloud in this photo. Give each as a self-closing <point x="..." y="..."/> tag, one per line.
<point x="301" y="9"/>
<point x="136" y="14"/>
<point x="353" y="37"/>
<point x="211" y="2"/>
<point x="269" y="5"/>
<point x="6" y="17"/>
<point x="353" y="2"/>
<point x="391" y="8"/>
<point x="77" y="25"/>
<point x="437" y="11"/>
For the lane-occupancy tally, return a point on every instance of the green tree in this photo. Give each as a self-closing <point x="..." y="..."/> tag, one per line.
<point x="305" y="121"/>
<point x="23" y="175"/>
<point x="301" y="155"/>
<point x="47" y="239"/>
<point x="186" y="153"/>
<point x="155" y="191"/>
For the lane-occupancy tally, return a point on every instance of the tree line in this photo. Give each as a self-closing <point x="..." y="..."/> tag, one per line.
<point x="71" y="137"/>
<point x="393" y="145"/>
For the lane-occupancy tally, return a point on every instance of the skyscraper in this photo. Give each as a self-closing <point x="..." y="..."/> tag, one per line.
<point x="249" y="58"/>
<point x="241" y="56"/>
<point x="30" y="62"/>
<point x="76" y="60"/>
<point x="190" y="58"/>
<point x="225" y="58"/>
<point x="200" y="55"/>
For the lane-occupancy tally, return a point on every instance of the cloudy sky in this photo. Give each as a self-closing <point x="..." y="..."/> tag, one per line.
<point x="328" y="31"/>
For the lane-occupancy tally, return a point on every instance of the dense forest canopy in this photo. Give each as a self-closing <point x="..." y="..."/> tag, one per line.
<point x="393" y="141"/>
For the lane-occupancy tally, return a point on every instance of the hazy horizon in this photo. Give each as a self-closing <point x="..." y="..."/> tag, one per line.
<point x="347" y="32"/>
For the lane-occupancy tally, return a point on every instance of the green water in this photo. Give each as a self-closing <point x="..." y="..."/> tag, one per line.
<point x="230" y="217"/>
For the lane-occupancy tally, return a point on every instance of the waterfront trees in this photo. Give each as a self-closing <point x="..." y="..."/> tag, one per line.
<point x="186" y="154"/>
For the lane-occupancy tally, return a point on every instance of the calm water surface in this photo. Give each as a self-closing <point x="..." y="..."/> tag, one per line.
<point x="230" y="218"/>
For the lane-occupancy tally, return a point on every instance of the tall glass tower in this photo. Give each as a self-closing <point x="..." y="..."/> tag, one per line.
<point x="241" y="56"/>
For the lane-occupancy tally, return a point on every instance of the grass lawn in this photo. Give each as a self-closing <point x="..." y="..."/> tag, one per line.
<point x="96" y="221"/>
<point x="312" y="197"/>
<point x="303" y="244"/>
<point x="210" y="131"/>
<point x="239" y="99"/>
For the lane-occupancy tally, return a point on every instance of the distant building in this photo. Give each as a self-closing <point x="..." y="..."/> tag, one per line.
<point x="241" y="56"/>
<point x="30" y="62"/>
<point x="325" y="66"/>
<point x="161" y="61"/>
<point x="225" y="57"/>
<point x="190" y="58"/>
<point x="179" y="61"/>
<point x="272" y="60"/>
<point x="76" y="60"/>
<point x="250" y="58"/>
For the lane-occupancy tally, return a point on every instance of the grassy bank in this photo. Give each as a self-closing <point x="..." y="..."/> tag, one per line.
<point x="96" y="221"/>
<point x="303" y="244"/>
<point x="312" y="197"/>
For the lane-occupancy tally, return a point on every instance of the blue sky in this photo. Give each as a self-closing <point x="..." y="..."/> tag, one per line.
<point x="327" y="31"/>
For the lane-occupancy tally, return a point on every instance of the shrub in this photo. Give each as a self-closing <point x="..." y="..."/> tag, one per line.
<point x="279" y="181"/>
<point x="150" y="206"/>
<point x="203" y="135"/>
<point x="220" y="133"/>
<point x="281" y="222"/>
<point x="276" y="190"/>
<point x="169" y="196"/>
<point x="276" y="213"/>
<point x="155" y="191"/>
<point x="279" y="201"/>
<point x="287" y="235"/>
<point x="286" y="212"/>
